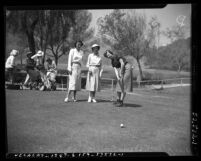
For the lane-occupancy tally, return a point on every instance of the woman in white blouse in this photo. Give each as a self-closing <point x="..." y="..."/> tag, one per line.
<point x="94" y="65"/>
<point x="75" y="62"/>
<point x="10" y="64"/>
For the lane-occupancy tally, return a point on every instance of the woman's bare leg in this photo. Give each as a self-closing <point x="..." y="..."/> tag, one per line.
<point x="74" y="95"/>
<point x="118" y="95"/>
<point x="90" y="96"/>
<point x="93" y="98"/>
<point x="67" y="95"/>
<point x="27" y="79"/>
<point x="123" y="95"/>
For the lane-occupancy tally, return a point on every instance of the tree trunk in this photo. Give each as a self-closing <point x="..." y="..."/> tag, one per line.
<point x="43" y="60"/>
<point x="140" y="70"/>
<point x="31" y="42"/>
<point x="21" y="58"/>
<point x="179" y="69"/>
<point x="44" y="50"/>
<point x="29" y="30"/>
<point x="56" y="60"/>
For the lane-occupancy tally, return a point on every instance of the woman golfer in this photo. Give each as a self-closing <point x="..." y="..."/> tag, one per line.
<point x="123" y="73"/>
<point x="75" y="62"/>
<point x="94" y="64"/>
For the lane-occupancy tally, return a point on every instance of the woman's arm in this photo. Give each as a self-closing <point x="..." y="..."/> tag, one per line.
<point x="69" y="68"/>
<point x="87" y="65"/>
<point x="101" y="68"/>
<point x="122" y="67"/>
<point x="117" y="73"/>
<point x="35" y="56"/>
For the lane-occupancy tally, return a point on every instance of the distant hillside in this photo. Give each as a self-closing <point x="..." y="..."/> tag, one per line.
<point x="168" y="57"/>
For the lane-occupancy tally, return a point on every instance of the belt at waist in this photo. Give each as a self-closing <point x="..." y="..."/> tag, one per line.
<point x="76" y="63"/>
<point x="94" y="65"/>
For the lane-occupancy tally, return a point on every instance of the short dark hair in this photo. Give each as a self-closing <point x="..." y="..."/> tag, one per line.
<point x="78" y="41"/>
<point x="105" y="53"/>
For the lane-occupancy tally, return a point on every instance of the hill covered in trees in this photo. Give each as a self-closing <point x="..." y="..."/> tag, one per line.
<point x="175" y="56"/>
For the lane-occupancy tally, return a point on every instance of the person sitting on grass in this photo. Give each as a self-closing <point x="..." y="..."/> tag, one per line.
<point x="10" y="64"/>
<point x="51" y="70"/>
<point x="123" y="71"/>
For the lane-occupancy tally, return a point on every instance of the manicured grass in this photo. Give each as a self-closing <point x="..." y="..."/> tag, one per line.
<point x="154" y="122"/>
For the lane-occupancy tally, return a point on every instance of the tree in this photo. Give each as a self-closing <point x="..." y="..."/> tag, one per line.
<point x="55" y="30"/>
<point x="175" y="56"/>
<point x="23" y="21"/>
<point x="180" y="54"/>
<point x="180" y="50"/>
<point x="81" y="30"/>
<point x="52" y="31"/>
<point x="41" y="33"/>
<point x="62" y="28"/>
<point x="128" y="34"/>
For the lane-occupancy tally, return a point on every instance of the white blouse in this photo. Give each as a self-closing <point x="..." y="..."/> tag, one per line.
<point x="10" y="62"/>
<point x="75" y="57"/>
<point x="94" y="60"/>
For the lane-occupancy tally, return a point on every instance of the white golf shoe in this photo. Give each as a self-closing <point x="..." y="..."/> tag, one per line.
<point x="94" y="101"/>
<point x="89" y="99"/>
<point x="66" y="99"/>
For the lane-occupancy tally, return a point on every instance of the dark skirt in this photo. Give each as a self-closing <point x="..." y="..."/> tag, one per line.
<point x="125" y="83"/>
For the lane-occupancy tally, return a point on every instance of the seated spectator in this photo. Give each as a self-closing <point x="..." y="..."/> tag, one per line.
<point x="10" y="64"/>
<point x="51" y="69"/>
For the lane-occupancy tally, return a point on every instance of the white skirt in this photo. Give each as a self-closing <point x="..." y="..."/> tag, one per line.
<point x="93" y="79"/>
<point x="75" y="78"/>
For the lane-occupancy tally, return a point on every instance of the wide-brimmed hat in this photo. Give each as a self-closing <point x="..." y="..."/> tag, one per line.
<point x="40" y="53"/>
<point x="95" y="45"/>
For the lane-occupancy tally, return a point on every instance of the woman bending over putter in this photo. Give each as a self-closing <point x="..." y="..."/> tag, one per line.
<point x="123" y="73"/>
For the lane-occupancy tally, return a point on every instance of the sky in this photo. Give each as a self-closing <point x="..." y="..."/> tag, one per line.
<point x="168" y="16"/>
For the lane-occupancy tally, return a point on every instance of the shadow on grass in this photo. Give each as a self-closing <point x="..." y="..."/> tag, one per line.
<point x="84" y="100"/>
<point x="131" y="105"/>
<point x="109" y="101"/>
<point x="103" y="100"/>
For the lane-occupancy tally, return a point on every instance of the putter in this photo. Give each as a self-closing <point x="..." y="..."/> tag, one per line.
<point x="112" y="93"/>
